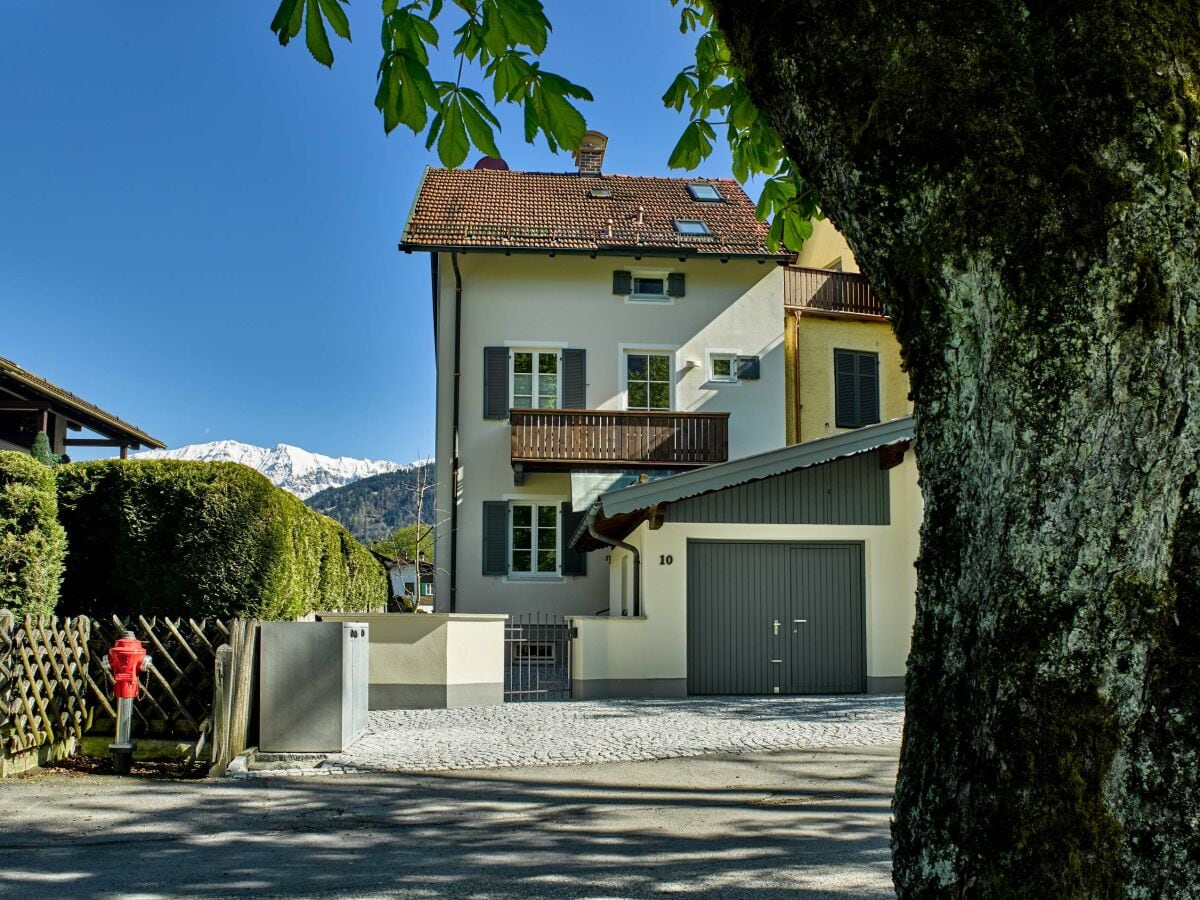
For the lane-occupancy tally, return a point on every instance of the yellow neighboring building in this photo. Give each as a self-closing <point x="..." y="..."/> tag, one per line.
<point x="843" y="367"/>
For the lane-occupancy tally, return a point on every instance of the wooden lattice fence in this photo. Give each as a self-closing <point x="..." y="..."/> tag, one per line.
<point x="45" y="686"/>
<point x="177" y="692"/>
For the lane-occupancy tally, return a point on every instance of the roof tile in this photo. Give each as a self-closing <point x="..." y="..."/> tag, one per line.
<point x="556" y="211"/>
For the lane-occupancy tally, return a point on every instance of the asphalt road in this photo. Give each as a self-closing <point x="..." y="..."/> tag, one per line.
<point x="799" y="823"/>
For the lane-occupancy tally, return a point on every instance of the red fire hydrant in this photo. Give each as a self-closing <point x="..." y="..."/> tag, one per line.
<point x="127" y="659"/>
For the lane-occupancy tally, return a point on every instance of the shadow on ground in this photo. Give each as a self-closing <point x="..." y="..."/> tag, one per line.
<point x="768" y="825"/>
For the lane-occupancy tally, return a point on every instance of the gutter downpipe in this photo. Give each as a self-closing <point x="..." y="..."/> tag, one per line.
<point x="455" y="466"/>
<point x="612" y="542"/>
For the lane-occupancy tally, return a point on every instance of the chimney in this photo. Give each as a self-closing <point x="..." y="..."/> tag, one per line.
<point x="590" y="155"/>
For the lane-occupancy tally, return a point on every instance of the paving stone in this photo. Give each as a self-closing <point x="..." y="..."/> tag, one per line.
<point x="566" y="733"/>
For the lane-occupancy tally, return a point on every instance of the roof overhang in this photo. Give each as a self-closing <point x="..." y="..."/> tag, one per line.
<point x="680" y="253"/>
<point x="14" y="379"/>
<point x="617" y="513"/>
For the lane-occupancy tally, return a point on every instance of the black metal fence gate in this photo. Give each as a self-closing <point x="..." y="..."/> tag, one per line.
<point x="537" y="649"/>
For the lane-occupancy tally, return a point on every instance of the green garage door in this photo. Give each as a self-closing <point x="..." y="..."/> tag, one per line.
<point x="775" y="618"/>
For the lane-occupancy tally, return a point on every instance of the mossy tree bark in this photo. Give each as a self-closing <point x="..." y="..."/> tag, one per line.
<point x="1020" y="183"/>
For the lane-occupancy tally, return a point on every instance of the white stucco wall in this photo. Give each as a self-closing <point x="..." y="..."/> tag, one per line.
<point x="408" y="649"/>
<point x="654" y="646"/>
<point x="567" y="301"/>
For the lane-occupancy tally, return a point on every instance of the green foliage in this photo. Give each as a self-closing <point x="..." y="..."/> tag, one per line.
<point x="496" y="36"/>
<point x="32" y="542"/>
<point x="404" y="542"/>
<point x="372" y="508"/>
<point x="502" y="38"/>
<point x="41" y="451"/>
<point x="169" y="537"/>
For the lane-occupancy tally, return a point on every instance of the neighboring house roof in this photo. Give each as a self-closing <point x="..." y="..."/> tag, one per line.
<point x="403" y="562"/>
<point x="618" y="513"/>
<point x="13" y="377"/>
<point x="569" y="212"/>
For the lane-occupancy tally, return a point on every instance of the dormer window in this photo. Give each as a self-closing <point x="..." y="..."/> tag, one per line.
<point x="703" y="191"/>
<point x="691" y="227"/>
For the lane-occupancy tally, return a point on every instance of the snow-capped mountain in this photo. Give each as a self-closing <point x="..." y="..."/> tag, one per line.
<point x="291" y="468"/>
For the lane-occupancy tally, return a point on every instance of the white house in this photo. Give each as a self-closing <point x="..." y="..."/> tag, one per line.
<point x="589" y="328"/>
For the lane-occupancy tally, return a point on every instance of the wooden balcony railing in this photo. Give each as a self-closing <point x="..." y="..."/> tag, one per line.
<point x="561" y="438"/>
<point x="825" y="290"/>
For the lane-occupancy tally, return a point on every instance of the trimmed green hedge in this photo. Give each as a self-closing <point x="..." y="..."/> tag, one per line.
<point x="177" y="538"/>
<point x="32" y="543"/>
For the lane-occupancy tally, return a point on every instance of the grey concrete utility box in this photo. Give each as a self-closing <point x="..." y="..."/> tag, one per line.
<point x="313" y="679"/>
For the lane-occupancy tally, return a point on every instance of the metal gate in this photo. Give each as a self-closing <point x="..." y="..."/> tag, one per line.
<point x="537" y="649"/>
<point x="775" y="617"/>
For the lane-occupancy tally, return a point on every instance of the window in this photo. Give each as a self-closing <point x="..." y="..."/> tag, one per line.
<point x="691" y="227"/>
<point x="722" y="367"/>
<point x="648" y="380"/>
<point x="427" y="589"/>
<point x="534" y="539"/>
<point x="650" y="287"/>
<point x="535" y="379"/>
<point x="856" y="388"/>
<point x="704" y="191"/>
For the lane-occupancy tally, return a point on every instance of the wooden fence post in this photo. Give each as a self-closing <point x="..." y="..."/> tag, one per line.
<point x="222" y="701"/>
<point x="245" y="653"/>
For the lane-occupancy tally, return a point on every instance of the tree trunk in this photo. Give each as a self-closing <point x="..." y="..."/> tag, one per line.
<point x="1020" y="184"/>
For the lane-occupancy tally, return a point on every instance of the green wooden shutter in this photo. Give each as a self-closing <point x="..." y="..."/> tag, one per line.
<point x="495" y="382"/>
<point x="574" y="562"/>
<point x="622" y="283"/>
<point x="868" y="388"/>
<point x="495" y="537"/>
<point x="675" y="285"/>
<point x="574" y="385"/>
<point x="845" y="386"/>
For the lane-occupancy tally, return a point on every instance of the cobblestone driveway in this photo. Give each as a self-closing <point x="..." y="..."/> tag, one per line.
<point x="548" y="734"/>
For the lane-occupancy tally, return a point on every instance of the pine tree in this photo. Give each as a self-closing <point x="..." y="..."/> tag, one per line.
<point x="41" y="450"/>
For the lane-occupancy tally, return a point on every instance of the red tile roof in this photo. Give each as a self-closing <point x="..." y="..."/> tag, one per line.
<point x="557" y="211"/>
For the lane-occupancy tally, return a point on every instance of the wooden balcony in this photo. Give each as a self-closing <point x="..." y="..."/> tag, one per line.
<point x="826" y="292"/>
<point x="563" y="439"/>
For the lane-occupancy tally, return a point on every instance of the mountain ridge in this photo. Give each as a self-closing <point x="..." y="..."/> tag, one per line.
<point x="292" y="468"/>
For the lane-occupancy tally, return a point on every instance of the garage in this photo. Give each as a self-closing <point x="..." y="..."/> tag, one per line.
<point x="775" y="617"/>
<point x="790" y="572"/>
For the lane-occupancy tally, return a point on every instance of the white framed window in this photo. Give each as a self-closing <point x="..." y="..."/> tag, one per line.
<point x="723" y="366"/>
<point x="649" y="286"/>
<point x="534" y="381"/>
<point x="704" y="191"/>
<point x="649" y="377"/>
<point x="693" y="227"/>
<point x="534" y="539"/>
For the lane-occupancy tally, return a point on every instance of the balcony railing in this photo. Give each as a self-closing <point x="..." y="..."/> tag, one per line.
<point x="827" y="291"/>
<point x="561" y="438"/>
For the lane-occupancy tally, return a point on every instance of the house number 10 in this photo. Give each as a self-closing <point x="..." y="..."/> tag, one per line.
<point x="666" y="559"/>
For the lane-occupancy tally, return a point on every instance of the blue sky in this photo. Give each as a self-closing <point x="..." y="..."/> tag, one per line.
<point x="198" y="227"/>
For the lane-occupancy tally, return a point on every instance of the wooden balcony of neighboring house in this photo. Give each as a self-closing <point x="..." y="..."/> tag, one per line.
<point x="563" y="439"/>
<point x="827" y="292"/>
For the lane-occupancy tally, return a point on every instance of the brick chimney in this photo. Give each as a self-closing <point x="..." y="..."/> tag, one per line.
<point x="590" y="155"/>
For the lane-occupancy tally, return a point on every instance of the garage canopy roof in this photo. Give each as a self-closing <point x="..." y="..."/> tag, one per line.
<point x="617" y="512"/>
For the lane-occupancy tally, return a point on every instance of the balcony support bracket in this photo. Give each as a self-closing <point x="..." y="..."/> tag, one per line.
<point x="518" y="474"/>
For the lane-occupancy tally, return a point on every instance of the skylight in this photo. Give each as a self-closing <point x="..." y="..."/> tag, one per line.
<point x="600" y="193"/>
<point x="701" y="190"/>
<point x="691" y="226"/>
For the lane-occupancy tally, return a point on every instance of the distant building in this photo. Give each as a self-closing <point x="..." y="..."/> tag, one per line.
<point x="402" y="573"/>
<point x="30" y="404"/>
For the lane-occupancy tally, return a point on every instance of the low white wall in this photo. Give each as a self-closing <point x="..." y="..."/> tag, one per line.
<point x="420" y="661"/>
<point x="648" y="654"/>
